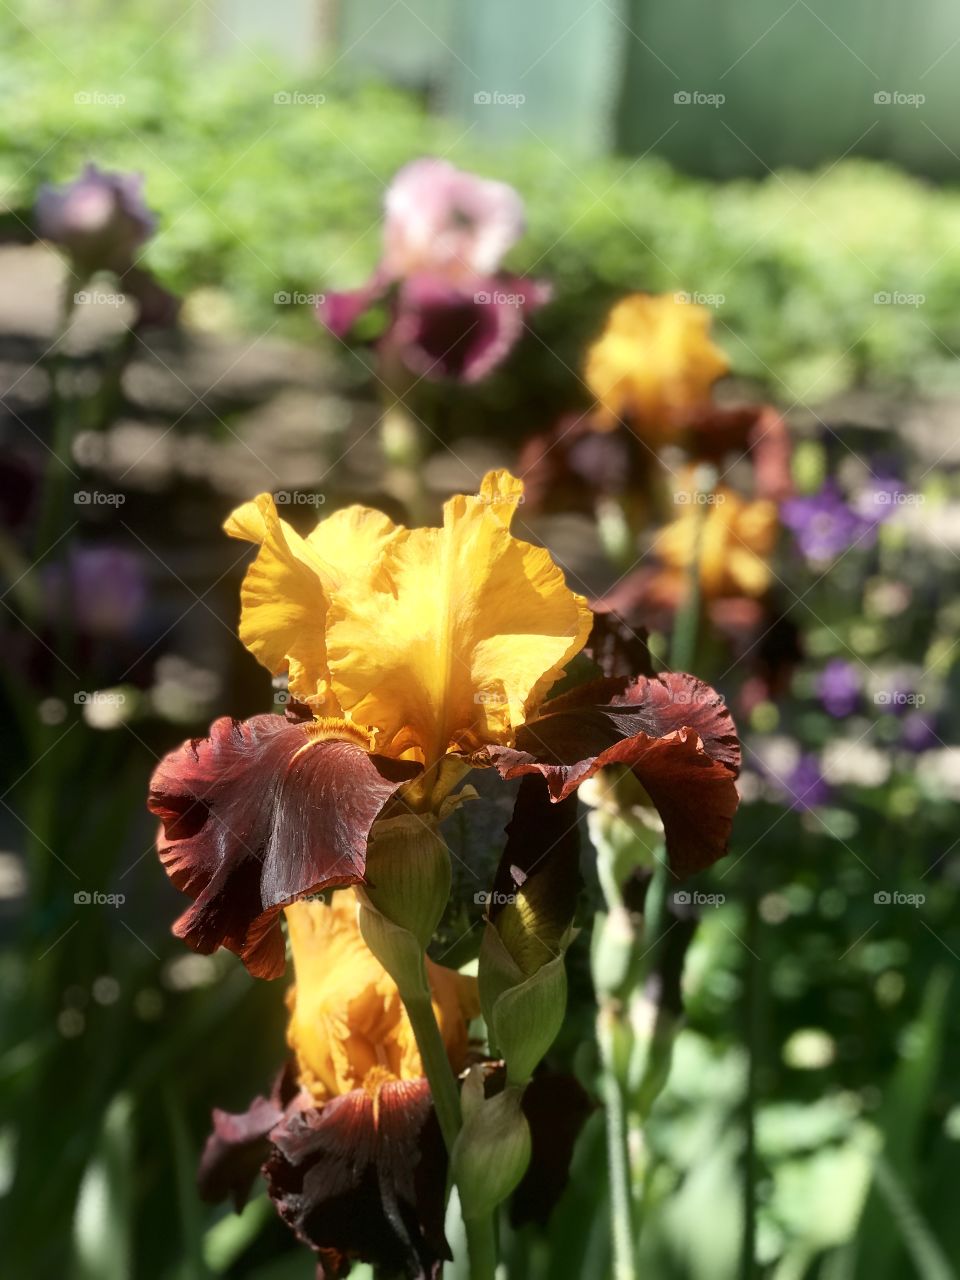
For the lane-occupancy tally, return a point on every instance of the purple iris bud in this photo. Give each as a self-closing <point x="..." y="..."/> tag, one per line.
<point x="839" y="687"/>
<point x="825" y="525"/>
<point x="99" y="219"/>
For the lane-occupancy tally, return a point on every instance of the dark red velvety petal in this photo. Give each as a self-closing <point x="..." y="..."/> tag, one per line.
<point x="339" y="312"/>
<point x="673" y="731"/>
<point x="556" y="1107"/>
<point x="234" y="1151"/>
<point x="542" y="855"/>
<point x="441" y="330"/>
<point x="617" y="647"/>
<point x="257" y="815"/>
<point x="757" y="430"/>
<point x="364" y="1179"/>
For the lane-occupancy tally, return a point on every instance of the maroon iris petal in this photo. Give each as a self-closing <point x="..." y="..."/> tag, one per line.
<point x="442" y="330"/>
<point x="556" y="1107"/>
<point x="757" y="430"/>
<point x="673" y="731"/>
<point x="256" y="816"/>
<point x="339" y="312"/>
<point x="542" y="853"/>
<point x="235" y="1150"/>
<point x="363" y="1178"/>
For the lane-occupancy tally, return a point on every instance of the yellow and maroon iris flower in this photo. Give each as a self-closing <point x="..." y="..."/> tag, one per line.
<point x="412" y="655"/>
<point x="348" y="1141"/>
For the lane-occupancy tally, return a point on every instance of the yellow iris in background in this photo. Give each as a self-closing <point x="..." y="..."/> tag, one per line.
<point x="735" y="540"/>
<point x="348" y="1027"/>
<point x="436" y="640"/>
<point x="653" y="362"/>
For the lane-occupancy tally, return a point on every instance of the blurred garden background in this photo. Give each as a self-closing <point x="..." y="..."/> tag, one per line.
<point x="793" y="168"/>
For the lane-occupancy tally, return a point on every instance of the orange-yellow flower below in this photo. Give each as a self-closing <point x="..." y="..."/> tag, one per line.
<point x="348" y="1028"/>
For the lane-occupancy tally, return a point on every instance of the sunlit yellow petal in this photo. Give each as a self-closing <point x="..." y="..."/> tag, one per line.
<point x="286" y="589"/>
<point x="735" y="540"/>
<point x="459" y="634"/>
<point x="653" y="361"/>
<point x="347" y="1027"/>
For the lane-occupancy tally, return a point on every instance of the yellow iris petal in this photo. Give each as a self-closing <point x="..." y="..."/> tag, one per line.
<point x="347" y="1026"/>
<point x="736" y="539"/>
<point x="653" y="361"/>
<point x="459" y="633"/>
<point x="287" y="588"/>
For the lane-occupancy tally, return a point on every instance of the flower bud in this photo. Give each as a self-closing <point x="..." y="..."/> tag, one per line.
<point x="491" y="1153"/>
<point x="523" y="1020"/>
<point x="613" y="951"/>
<point x="523" y="986"/>
<point x="408" y="875"/>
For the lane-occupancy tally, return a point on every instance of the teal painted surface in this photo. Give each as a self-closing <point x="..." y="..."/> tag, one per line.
<point x="798" y="77"/>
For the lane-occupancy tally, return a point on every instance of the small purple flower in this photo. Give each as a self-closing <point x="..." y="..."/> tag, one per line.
<point x="824" y="525"/>
<point x="103" y="587"/>
<point x="100" y="219"/>
<point x="918" y="731"/>
<point x="452" y="313"/>
<point x="805" y="786"/>
<point x="839" y="687"/>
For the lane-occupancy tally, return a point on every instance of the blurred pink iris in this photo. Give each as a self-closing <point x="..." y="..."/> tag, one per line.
<point x="452" y="312"/>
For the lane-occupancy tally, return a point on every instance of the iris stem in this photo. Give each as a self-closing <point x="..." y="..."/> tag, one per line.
<point x="436" y="1064"/>
<point x="618" y="1155"/>
<point x="482" y="1247"/>
<point x="481" y="1242"/>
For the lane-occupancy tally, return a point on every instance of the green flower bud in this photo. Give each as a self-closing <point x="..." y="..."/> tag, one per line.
<point x="526" y="1019"/>
<point x="491" y="1153"/>
<point x="408" y="874"/>
<point x="613" y="951"/>
<point x="398" y="950"/>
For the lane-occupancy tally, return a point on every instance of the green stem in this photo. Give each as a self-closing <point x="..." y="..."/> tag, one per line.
<point x="618" y="1155"/>
<point x="481" y="1242"/>
<point x="436" y="1064"/>
<point x="481" y="1247"/>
